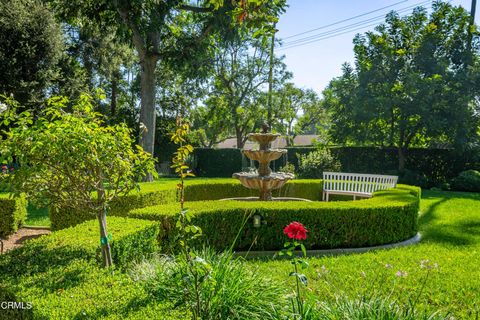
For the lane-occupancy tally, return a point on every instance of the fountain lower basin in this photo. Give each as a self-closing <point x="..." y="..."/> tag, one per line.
<point x="275" y="180"/>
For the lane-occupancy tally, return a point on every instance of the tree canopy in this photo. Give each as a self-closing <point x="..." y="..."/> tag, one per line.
<point x="412" y="84"/>
<point x="31" y="45"/>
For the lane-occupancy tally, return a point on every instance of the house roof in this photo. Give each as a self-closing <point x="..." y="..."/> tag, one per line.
<point x="300" y="140"/>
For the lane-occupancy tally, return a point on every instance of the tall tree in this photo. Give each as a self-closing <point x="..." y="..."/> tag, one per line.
<point x="30" y="48"/>
<point x="241" y="72"/>
<point x="296" y="110"/>
<point x="412" y="84"/>
<point x="171" y="30"/>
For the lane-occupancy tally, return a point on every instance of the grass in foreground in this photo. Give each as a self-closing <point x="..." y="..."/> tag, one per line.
<point x="450" y="226"/>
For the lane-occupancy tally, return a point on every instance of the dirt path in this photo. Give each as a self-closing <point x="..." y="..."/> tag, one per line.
<point x="23" y="234"/>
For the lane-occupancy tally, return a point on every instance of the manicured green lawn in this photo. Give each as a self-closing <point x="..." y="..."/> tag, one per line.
<point x="37" y="217"/>
<point x="450" y="226"/>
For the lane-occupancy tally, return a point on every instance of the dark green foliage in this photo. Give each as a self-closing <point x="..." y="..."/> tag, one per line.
<point x="390" y="216"/>
<point x="13" y="212"/>
<point x="414" y="84"/>
<point x="30" y="46"/>
<point x="217" y="162"/>
<point x="313" y="164"/>
<point x="413" y="178"/>
<point x="437" y="165"/>
<point x="467" y="181"/>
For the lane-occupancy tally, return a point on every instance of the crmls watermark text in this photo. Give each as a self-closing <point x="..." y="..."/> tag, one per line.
<point x="15" y="305"/>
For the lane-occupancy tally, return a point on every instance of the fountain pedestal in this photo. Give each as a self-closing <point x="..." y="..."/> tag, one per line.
<point x="265" y="180"/>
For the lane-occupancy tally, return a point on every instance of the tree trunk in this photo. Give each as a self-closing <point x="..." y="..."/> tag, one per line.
<point x="113" y="97"/>
<point x="401" y="158"/>
<point x="105" y="244"/>
<point x="238" y="134"/>
<point x="147" y="111"/>
<point x="102" y="220"/>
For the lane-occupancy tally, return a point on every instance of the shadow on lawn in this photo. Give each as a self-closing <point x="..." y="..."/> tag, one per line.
<point x="457" y="233"/>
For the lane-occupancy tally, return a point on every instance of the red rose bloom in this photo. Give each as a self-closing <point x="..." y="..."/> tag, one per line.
<point x="296" y="230"/>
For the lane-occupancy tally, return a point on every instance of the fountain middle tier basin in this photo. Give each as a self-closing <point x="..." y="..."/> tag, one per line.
<point x="263" y="139"/>
<point x="273" y="181"/>
<point x="264" y="156"/>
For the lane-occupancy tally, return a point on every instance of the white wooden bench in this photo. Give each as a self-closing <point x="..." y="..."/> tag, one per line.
<point x="355" y="184"/>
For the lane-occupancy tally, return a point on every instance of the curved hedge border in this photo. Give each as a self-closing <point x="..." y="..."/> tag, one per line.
<point x="13" y="212"/>
<point x="161" y="192"/>
<point x="390" y="216"/>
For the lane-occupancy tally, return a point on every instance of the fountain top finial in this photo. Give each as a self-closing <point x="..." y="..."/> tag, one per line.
<point x="265" y="127"/>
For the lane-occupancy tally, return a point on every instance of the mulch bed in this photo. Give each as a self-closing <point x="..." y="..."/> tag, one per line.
<point x="22" y="235"/>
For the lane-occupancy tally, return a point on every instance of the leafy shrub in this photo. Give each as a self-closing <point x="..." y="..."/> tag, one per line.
<point x="231" y="291"/>
<point x="313" y="164"/>
<point x="60" y="275"/>
<point x="217" y="162"/>
<point x="390" y="216"/>
<point x="13" y="212"/>
<point x="288" y="168"/>
<point x="467" y="181"/>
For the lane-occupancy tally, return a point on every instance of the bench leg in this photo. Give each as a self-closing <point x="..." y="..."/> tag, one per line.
<point x="327" y="196"/>
<point x="354" y="197"/>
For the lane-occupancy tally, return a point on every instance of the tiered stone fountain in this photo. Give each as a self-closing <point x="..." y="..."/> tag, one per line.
<point x="265" y="180"/>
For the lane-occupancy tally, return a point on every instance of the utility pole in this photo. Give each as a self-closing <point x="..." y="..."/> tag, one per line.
<point x="470" y="29"/>
<point x="270" y="80"/>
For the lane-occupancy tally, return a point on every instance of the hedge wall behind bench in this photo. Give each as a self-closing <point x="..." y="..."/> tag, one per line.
<point x="196" y="189"/>
<point x="390" y="216"/>
<point x="437" y="165"/>
<point x="13" y="212"/>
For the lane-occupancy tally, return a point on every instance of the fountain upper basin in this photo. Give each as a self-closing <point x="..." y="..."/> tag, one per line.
<point x="262" y="138"/>
<point x="264" y="155"/>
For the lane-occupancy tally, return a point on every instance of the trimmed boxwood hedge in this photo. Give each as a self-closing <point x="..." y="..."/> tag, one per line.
<point x="162" y="192"/>
<point x="390" y="216"/>
<point x="131" y="240"/>
<point x="61" y="218"/>
<point x="13" y="212"/>
<point x="60" y="275"/>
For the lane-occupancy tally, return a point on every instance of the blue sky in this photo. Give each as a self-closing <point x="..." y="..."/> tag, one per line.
<point x="315" y="64"/>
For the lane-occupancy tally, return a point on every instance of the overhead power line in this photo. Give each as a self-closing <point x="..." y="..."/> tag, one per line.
<point x="344" y="29"/>
<point x="353" y="25"/>
<point x="344" y="20"/>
